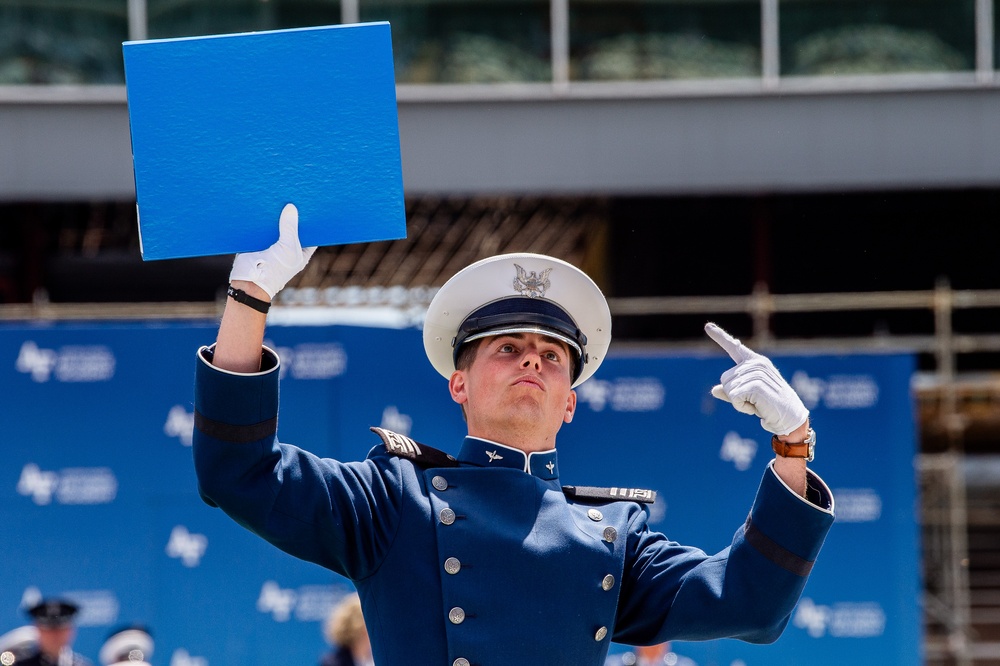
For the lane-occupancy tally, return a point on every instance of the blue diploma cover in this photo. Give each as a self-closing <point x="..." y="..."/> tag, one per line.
<point x="227" y="129"/>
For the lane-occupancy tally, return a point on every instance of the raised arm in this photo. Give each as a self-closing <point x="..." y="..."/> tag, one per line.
<point x="259" y="276"/>
<point x="754" y="386"/>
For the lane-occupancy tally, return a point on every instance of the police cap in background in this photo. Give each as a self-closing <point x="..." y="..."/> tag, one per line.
<point x="53" y="613"/>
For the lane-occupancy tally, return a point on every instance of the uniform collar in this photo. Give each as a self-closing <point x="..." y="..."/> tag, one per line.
<point x="484" y="453"/>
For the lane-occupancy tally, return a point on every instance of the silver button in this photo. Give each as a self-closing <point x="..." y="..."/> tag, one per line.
<point x="610" y="534"/>
<point x="601" y="633"/>
<point x="456" y="615"/>
<point x="608" y="582"/>
<point x="452" y="565"/>
<point x="447" y="516"/>
<point x="595" y="515"/>
<point x="440" y="483"/>
<point x="461" y="661"/>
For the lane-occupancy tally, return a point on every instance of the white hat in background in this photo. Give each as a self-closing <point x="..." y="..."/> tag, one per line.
<point x="129" y="645"/>
<point x="17" y="644"/>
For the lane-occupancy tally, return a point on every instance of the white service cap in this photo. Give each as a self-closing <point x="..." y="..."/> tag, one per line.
<point x="128" y="644"/>
<point x="519" y="293"/>
<point x="18" y="641"/>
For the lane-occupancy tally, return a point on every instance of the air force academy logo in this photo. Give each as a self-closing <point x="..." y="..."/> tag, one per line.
<point x="76" y="485"/>
<point x="71" y="363"/>
<point x="277" y="601"/>
<point x="35" y="361"/>
<point x="186" y="546"/>
<point x="737" y="450"/>
<point x="37" y="484"/>
<point x="179" y="424"/>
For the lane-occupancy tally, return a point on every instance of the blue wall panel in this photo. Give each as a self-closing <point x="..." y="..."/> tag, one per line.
<point x="98" y="498"/>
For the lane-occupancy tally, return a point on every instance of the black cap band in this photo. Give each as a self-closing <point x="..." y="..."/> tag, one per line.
<point x="521" y="314"/>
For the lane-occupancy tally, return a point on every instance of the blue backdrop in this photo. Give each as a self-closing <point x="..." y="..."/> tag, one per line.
<point x="98" y="499"/>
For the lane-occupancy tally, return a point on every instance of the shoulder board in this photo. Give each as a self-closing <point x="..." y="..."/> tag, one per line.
<point x="404" y="447"/>
<point x="610" y="494"/>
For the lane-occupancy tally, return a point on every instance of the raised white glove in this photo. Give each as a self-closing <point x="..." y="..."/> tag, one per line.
<point x="754" y="386"/>
<point x="271" y="269"/>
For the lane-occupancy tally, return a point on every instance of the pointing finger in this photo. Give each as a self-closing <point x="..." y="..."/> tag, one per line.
<point x="736" y="349"/>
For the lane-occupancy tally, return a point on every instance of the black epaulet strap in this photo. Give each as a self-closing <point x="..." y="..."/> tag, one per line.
<point x="610" y="494"/>
<point x="404" y="447"/>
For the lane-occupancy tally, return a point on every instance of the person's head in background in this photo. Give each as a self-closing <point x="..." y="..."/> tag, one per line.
<point x="54" y="619"/>
<point x="132" y="644"/>
<point x="345" y="628"/>
<point x="651" y="654"/>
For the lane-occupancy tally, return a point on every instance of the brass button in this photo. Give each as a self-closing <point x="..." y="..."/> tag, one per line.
<point x="595" y="515"/>
<point x="610" y="534"/>
<point x="601" y="633"/>
<point x="447" y="516"/>
<point x="461" y="661"/>
<point x="452" y="565"/>
<point x="456" y="615"/>
<point x="608" y="582"/>
<point x="439" y="483"/>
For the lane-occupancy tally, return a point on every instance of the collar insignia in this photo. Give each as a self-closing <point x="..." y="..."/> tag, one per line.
<point x="494" y="455"/>
<point x="531" y="284"/>
<point x="551" y="466"/>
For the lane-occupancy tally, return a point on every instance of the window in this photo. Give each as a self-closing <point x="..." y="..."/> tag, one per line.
<point x="844" y="37"/>
<point x="45" y="41"/>
<point x="660" y="39"/>
<point x="466" y="41"/>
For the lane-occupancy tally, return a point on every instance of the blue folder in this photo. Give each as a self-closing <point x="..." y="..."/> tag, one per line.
<point x="227" y="129"/>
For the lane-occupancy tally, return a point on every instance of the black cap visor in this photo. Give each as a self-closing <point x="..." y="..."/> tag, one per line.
<point x="523" y="315"/>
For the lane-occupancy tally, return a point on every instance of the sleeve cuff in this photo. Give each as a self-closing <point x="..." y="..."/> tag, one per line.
<point x="818" y="494"/>
<point x="240" y="399"/>
<point x="789" y="520"/>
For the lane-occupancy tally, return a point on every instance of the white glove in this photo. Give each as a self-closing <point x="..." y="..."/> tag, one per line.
<point x="754" y="386"/>
<point x="271" y="269"/>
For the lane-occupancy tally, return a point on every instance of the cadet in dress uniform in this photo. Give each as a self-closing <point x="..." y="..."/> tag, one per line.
<point x="55" y="621"/>
<point x="484" y="558"/>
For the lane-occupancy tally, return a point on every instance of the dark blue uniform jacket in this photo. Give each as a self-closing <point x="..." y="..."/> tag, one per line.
<point x="485" y="560"/>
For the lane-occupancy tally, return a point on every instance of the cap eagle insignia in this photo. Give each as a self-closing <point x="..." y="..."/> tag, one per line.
<point x="531" y="284"/>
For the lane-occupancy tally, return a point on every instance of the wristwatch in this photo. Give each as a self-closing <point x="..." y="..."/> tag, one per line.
<point x="804" y="449"/>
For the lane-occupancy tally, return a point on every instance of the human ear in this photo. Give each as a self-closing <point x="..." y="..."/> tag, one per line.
<point x="570" y="407"/>
<point x="457" y="388"/>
